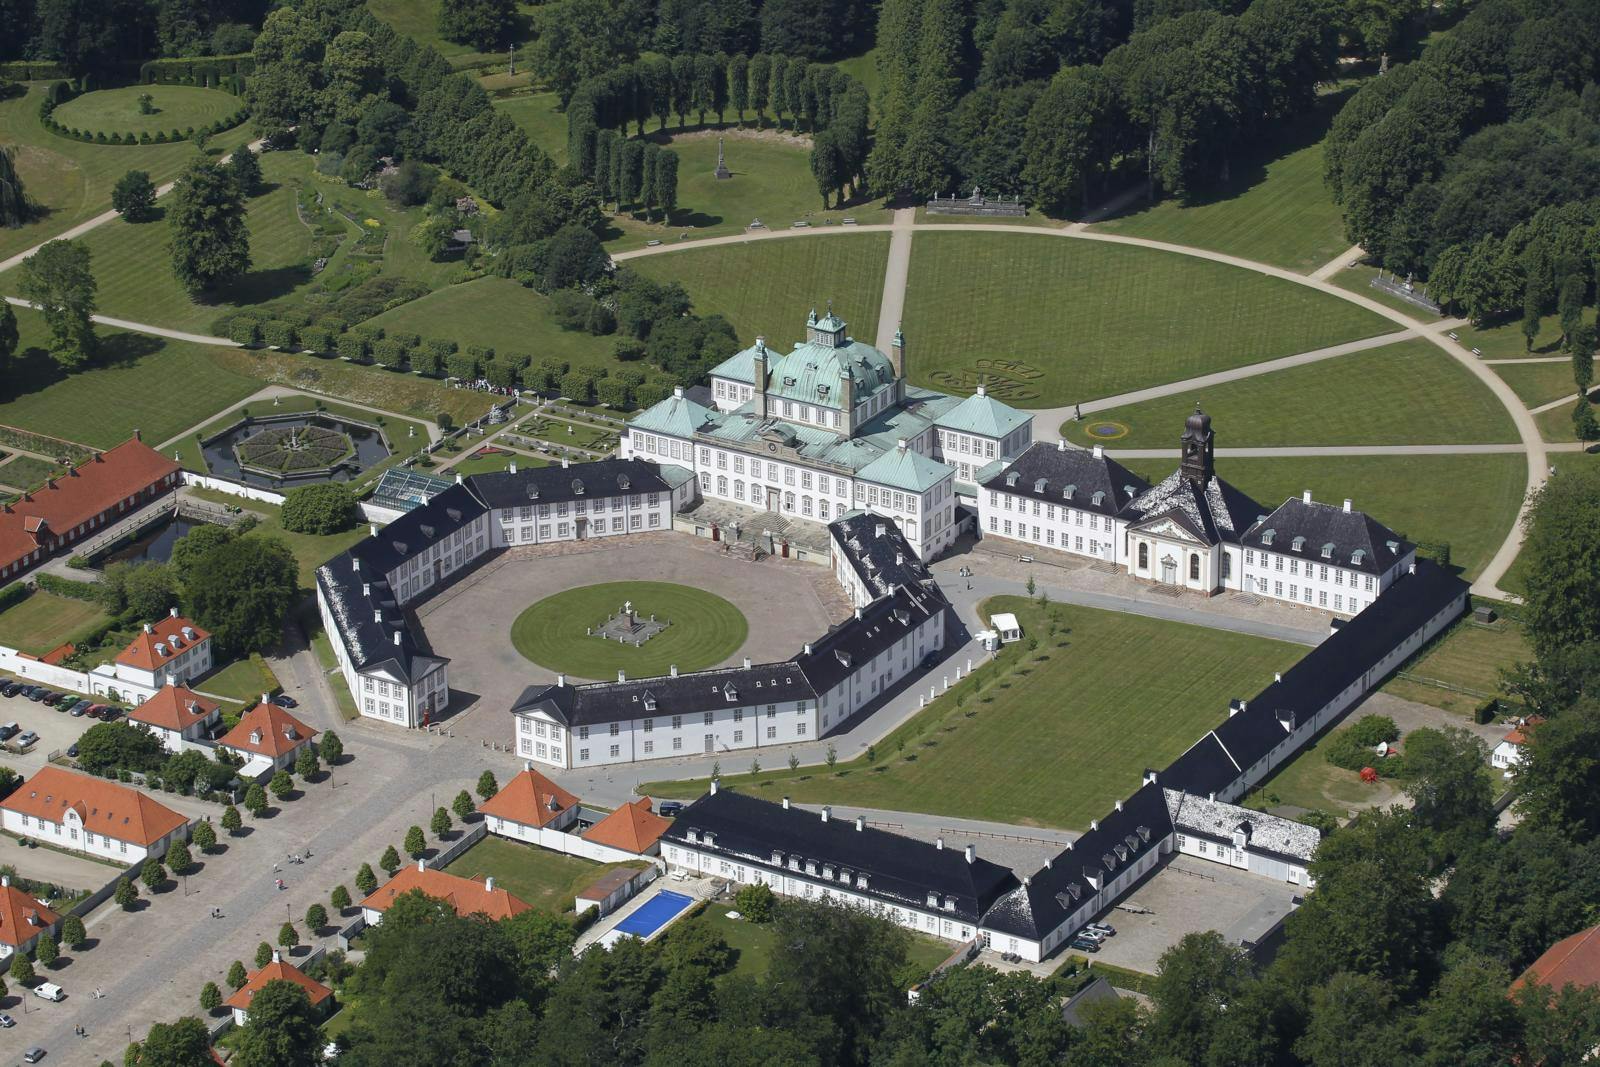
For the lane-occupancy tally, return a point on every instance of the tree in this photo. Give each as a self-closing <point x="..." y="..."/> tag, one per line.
<point x="462" y="805"/>
<point x="1584" y="425"/>
<point x="487" y="786"/>
<point x="108" y="745"/>
<point x="231" y="821"/>
<point x="185" y="1043"/>
<point x="282" y="1030"/>
<point x="57" y="280"/>
<point x="484" y="24"/>
<point x="305" y="764"/>
<point x="9" y="335"/>
<point x="332" y="747"/>
<point x="178" y="858"/>
<point x="245" y="166"/>
<point x="210" y="997"/>
<point x="263" y="955"/>
<point x="1197" y="981"/>
<point x="1562" y="602"/>
<point x="1448" y="790"/>
<point x="339" y="898"/>
<point x="125" y="894"/>
<point x="73" y="934"/>
<point x="390" y="860"/>
<point x="236" y="975"/>
<point x="288" y="936"/>
<point x="1558" y="777"/>
<point x="666" y="183"/>
<point x="320" y="508"/>
<point x="45" y="949"/>
<point x="755" y="902"/>
<point x="204" y="836"/>
<point x="440" y="824"/>
<point x="134" y="196"/>
<point x="415" y="843"/>
<point x="255" y="801"/>
<point x="209" y="243"/>
<point x="189" y="549"/>
<point x="316" y="917"/>
<point x="366" y="881"/>
<point x="144" y="590"/>
<point x="21" y="968"/>
<point x="153" y="874"/>
<point x="1353" y="1021"/>
<point x="826" y="165"/>
<point x="241" y="590"/>
<point x="15" y="208"/>
<point x="281" y="785"/>
<point x="1581" y="342"/>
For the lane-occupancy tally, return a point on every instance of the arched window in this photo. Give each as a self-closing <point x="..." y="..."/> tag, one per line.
<point x="1144" y="556"/>
<point x="1194" y="567"/>
<point x="1227" y="565"/>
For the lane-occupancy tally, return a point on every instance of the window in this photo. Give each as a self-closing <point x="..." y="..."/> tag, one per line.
<point x="1194" y="566"/>
<point x="677" y="722"/>
<point x="708" y="718"/>
<point x="677" y="744"/>
<point x="614" y="728"/>
<point x="616" y="750"/>
<point x="649" y="747"/>
<point x="1144" y="554"/>
<point x="800" y="729"/>
<point x="583" y="733"/>
<point x="738" y="715"/>
<point x="583" y="755"/>
<point x="772" y="731"/>
<point x="738" y="737"/>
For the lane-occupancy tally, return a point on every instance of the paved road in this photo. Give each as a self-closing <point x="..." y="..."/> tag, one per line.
<point x="1270" y="451"/>
<point x="892" y="307"/>
<point x="1566" y="401"/>
<point x="1348" y="258"/>
<point x="144" y="327"/>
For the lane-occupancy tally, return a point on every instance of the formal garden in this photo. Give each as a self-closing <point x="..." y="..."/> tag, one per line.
<point x="146" y="111"/>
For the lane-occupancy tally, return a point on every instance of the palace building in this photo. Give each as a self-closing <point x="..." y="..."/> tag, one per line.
<point x="1193" y="530"/>
<point x="830" y="427"/>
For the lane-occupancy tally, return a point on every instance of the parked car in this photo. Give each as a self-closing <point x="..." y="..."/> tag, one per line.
<point x="53" y="699"/>
<point x="668" y="809"/>
<point x="110" y="713"/>
<point x="37" y="693"/>
<point x="78" y="709"/>
<point x="72" y="750"/>
<point x="33" y="1055"/>
<point x="27" y="738"/>
<point x="1103" y="929"/>
<point x="6" y="1021"/>
<point x="1084" y="944"/>
<point x="284" y="700"/>
<point x="1092" y="934"/>
<point x="11" y="689"/>
<point x="9" y="730"/>
<point x="1011" y="957"/>
<point x="49" y="991"/>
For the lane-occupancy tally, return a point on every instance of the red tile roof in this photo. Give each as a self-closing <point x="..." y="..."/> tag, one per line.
<point x="94" y="487"/>
<point x="22" y="918"/>
<point x="268" y="730"/>
<point x="1573" y="960"/>
<point x="467" y="896"/>
<point x="1523" y="730"/>
<point x="167" y="633"/>
<point x="173" y="707"/>
<point x="632" y="828"/>
<point x="530" y="798"/>
<point x="104" y="807"/>
<point x="278" y="971"/>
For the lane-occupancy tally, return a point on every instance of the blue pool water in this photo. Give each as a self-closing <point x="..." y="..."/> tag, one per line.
<point x="655" y="913"/>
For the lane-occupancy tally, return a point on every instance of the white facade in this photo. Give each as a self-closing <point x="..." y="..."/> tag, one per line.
<point x="1062" y="528"/>
<point x="70" y="834"/>
<point x="581" y="519"/>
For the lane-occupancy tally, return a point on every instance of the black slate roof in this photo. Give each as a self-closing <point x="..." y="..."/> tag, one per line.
<point x="554" y="485"/>
<point x="685" y="694"/>
<point x="877" y="551"/>
<point x="1058" y="889"/>
<point x="1214" y="512"/>
<point x="1047" y="473"/>
<point x="869" y="633"/>
<point x="900" y="870"/>
<point x="1318" y="527"/>
<point x="357" y="601"/>
<point x="418" y="528"/>
<point x="1205" y="768"/>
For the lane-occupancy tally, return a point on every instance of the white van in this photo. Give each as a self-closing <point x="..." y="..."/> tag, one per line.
<point x="49" y="991"/>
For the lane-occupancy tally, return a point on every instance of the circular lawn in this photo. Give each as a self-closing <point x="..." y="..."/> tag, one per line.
<point x="703" y="630"/>
<point x="177" y="107"/>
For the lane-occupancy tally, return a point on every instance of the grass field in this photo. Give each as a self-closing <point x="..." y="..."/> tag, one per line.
<point x="1505" y="340"/>
<point x="1404" y="393"/>
<point x="72" y="180"/>
<point x="310" y="550"/>
<point x="1275" y="209"/>
<point x="540" y="119"/>
<point x="1462" y="669"/>
<point x="547" y="880"/>
<point x="1054" y="321"/>
<point x="401" y="392"/>
<point x="161" y="387"/>
<point x="419" y="20"/>
<point x="135" y="274"/>
<point x="1468" y="501"/>
<point x="1309" y="782"/>
<point x="178" y="107"/>
<point x="26" y="472"/>
<point x="754" y="945"/>
<point x="767" y="287"/>
<point x="1537" y="384"/>
<point x="771" y="182"/>
<point x="1358" y="279"/>
<point x="1556" y="424"/>
<point x="703" y="630"/>
<point x="500" y="314"/>
<point x="1080" y="697"/>
<point x="495" y="461"/>
<point x="242" y="680"/>
<point x="44" y="620"/>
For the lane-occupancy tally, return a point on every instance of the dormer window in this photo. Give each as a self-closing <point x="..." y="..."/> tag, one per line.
<point x="622" y="481"/>
<point x="1011" y="478"/>
<point x="1097" y="498"/>
<point x="1038" y="486"/>
<point x="577" y="487"/>
<point x="1327" y="550"/>
<point x="1068" y="491"/>
<point x="777" y="858"/>
<point x="788" y="380"/>
<point x="1267" y="536"/>
<point x="933" y="900"/>
<point x="1393" y="546"/>
<point x="1357" y="557"/>
<point x="1297" y="544"/>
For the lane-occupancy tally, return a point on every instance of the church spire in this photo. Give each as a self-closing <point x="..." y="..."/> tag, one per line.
<point x="1199" y="448"/>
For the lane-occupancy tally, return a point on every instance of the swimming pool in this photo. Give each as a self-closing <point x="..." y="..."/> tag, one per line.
<point x="654" y="913"/>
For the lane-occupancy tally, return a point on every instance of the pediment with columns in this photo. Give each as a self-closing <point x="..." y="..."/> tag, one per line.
<point x="1168" y="528"/>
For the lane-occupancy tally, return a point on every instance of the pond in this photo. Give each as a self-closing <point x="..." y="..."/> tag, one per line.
<point x="368" y="448"/>
<point x="154" y="545"/>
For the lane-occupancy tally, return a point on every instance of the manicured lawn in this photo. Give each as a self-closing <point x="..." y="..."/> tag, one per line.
<point x="1309" y="782"/>
<point x="754" y="945"/>
<point x="547" y="880"/>
<point x="1048" y="320"/>
<point x="1462" y="669"/>
<point x="419" y="20"/>
<point x="767" y="287"/>
<point x="44" y="620"/>
<point x="1556" y="424"/>
<point x="1276" y="209"/>
<point x="26" y="472"/>
<point x="495" y="461"/>
<point x="404" y="393"/>
<point x="771" y="181"/>
<point x="1537" y="384"/>
<point x="1468" y="501"/>
<point x="703" y="630"/>
<point x="159" y="386"/>
<point x="72" y="180"/>
<point x="562" y="432"/>
<point x="1405" y="393"/>
<point x="1358" y="279"/>
<point x="500" y="314"/>
<point x="241" y="680"/>
<point x="1097" y="697"/>
<point x="1505" y="340"/>
<point x="134" y="271"/>
<point x="864" y="69"/>
<point x="177" y="107"/>
<point x="310" y="550"/>
<point x="540" y="119"/>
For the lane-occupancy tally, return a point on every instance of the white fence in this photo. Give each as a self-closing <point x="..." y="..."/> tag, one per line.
<point x="39" y="673"/>
<point x="559" y="841"/>
<point x="228" y="485"/>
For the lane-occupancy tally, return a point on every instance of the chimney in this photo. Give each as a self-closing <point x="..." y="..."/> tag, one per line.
<point x="759" y="382"/>
<point x="148" y="628"/>
<point x="1149" y="776"/>
<point x="861" y="823"/>
<point x="826" y="811"/>
<point x="1099" y="451"/>
<point x="397" y="637"/>
<point x="747" y="663"/>
<point x="5" y="880"/>
<point x="1211" y="797"/>
<point x="355" y="563"/>
<point x="1061" y="444"/>
<point x="459" y="479"/>
<point x="172" y="613"/>
<point x="899" y="559"/>
<point x="900" y="443"/>
<point x="265" y="698"/>
<point x="622" y="676"/>
<point x="527" y="764"/>
<point x="713" y="787"/>
<point x="565" y="463"/>
<point x="673" y="670"/>
<point x="138" y="435"/>
<point x="276" y="958"/>
<point x="372" y="529"/>
<point x="808" y="648"/>
<point x="512" y="468"/>
<point x="377" y="615"/>
<point x="939" y="844"/>
<point x="1347" y="505"/>
<point x="421" y="866"/>
<point x="972" y="853"/>
<point x="1119" y="805"/>
<point x="881" y="529"/>
<point x="677" y="392"/>
<point x="858" y="613"/>
<point x="561" y="679"/>
<point x="1277" y="676"/>
<point x="488" y="884"/>
<point x="785" y="803"/>
<point x="897" y="353"/>
<point x="1306" y="496"/>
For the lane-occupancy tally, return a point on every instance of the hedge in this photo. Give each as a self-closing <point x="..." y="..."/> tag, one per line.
<point x="12" y="595"/>
<point x="193" y="68"/>
<point x="60" y="91"/>
<point x="24" y="71"/>
<point x="68" y="587"/>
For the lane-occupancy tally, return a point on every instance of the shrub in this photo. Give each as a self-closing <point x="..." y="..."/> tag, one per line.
<point x="463" y="365"/>
<point x="279" y="334"/>
<point x="390" y="353"/>
<point x="353" y="347"/>
<point x="245" y="332"/>
<point x="578" y="386"/>
<point x="755" y="902"/>
<point x="426" y="361"/>
<point x="318" y="339"/>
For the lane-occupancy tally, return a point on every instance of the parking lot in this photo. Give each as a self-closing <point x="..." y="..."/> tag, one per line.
<point x="56" y="730"/>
